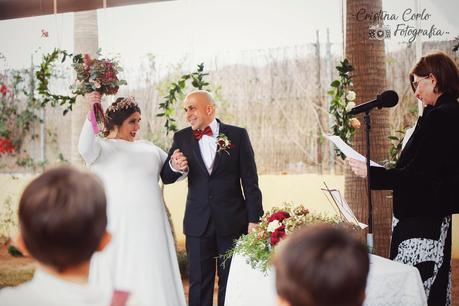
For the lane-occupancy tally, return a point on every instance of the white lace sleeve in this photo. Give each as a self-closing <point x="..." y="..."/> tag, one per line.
<point x="89" y="144"/>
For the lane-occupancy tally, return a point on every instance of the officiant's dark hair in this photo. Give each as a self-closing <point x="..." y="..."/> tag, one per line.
<point x="443" y="68"/>
<point x="321" y="265"/>
<point x="118" y="112"/>
<point x="62" y="217"/>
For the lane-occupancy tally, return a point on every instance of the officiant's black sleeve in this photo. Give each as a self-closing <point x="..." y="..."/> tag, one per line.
<point x="430" y="159"/>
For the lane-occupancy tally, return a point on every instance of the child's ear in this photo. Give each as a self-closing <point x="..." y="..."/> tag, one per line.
<point x="104" y="241"/>
<point x="282" y="302"/>
<point x="18" y="242"/>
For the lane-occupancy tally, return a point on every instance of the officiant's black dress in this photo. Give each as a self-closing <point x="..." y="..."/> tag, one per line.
<point x="424" y="184"/>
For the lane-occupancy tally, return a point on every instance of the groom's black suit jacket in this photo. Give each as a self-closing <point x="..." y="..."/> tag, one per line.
<point x="218" y="195"/>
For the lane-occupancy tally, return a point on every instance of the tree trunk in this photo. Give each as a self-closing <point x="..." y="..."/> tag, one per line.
<point x="85" y="41"/>
<point x="369" y="78"/>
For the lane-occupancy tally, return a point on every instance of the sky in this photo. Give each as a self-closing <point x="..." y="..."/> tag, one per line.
<point x="203" y="27"/>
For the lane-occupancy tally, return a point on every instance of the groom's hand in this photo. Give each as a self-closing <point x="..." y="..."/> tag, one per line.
<point x="179" y="161"/>
<point x="251" y="227"/>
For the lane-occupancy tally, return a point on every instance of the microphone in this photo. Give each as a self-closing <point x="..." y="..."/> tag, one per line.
<point x="388" y="98"/>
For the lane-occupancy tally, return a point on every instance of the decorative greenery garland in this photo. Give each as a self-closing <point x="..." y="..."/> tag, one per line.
<point x="44" y="74"/>
<point x="341" y="103"/>
<point x="177" y="88"/>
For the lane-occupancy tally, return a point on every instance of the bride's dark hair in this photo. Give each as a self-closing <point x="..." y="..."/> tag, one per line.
<point x="119" y="111"/>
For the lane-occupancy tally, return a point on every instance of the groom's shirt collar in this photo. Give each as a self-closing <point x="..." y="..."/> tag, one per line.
<point x="215" y="128"/>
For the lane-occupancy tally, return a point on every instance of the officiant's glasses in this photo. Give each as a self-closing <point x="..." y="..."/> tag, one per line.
<point x="416" y="83"/>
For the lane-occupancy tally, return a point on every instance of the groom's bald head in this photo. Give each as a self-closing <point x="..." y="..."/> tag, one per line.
<point x="199" y="109"/>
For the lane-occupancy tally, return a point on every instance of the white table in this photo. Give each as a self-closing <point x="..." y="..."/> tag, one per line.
<point x="389" y="283"/>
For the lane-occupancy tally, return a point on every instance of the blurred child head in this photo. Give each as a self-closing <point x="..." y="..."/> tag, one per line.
<point x="321" y="265"/>
<point x="62" y="218"/>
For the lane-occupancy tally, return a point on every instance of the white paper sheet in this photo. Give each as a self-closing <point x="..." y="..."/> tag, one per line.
<point x="348" y="151"/>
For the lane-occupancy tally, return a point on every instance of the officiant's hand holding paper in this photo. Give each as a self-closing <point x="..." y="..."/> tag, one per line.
<point x="358" y="167"/>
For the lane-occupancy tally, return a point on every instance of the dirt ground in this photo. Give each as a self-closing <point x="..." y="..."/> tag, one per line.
<point x="15" y="270"/>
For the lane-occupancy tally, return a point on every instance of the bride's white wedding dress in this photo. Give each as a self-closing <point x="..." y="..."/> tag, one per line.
<point x="141" y="257"/>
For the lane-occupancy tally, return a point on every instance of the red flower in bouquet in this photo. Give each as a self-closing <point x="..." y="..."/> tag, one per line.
<point x="280" y="215"/>
<point x="277" y="235"/>
<point x="3" y="89"/>
<point x="6" y="146"/>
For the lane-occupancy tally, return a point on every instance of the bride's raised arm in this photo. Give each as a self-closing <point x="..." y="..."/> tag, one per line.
<point x="88" y="144"/>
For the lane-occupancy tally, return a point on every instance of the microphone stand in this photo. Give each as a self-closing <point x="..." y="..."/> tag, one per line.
<point x="367" y="121"/>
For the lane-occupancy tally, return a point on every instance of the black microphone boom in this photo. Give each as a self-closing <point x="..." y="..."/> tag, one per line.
<point x="388" y="98"/>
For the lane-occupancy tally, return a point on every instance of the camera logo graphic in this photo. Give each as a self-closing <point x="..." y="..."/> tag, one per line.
<point x="378" y="32"/>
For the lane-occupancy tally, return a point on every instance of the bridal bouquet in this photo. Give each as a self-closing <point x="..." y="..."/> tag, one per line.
<point x="99" y="75"/>
<point x="276" y="224"/>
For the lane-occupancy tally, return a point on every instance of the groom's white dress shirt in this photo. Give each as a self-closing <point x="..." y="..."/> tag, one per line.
<point x="208" y="146"/>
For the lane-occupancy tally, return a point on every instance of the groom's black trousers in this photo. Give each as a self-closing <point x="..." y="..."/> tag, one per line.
<point x="203" y="258"/>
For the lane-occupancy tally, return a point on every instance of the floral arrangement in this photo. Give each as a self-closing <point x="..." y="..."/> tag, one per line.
<point x="276" y="224"/>
<point x="342" y="102"/>
<point x="223" y="143"/>
<point x="99" y="75"/>
<point x="17" y="117"/>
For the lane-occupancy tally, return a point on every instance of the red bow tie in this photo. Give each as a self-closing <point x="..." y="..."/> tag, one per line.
<point x="199" y="133"/>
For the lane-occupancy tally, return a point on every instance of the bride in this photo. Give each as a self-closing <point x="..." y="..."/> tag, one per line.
<point x="141" y="258"/>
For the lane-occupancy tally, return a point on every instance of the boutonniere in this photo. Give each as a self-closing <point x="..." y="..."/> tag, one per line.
<point x="223" y="143"/>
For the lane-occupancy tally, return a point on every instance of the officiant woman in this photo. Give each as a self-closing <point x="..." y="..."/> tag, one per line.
<point x="426" y="178"/>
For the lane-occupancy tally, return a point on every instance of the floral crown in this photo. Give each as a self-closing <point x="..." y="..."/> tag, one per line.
<point x="125" y="103"/>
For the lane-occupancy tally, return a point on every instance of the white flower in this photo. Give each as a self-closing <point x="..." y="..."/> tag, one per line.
<point x="96" y="84"/>
<point x="273" y="225"/>
<point x="350" y="95"/>
<point x="350" y="106"/>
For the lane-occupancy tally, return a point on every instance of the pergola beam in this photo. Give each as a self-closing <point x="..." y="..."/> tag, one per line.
<point x="10" y="9"/>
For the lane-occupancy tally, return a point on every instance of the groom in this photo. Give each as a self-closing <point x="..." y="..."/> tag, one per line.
<point x="223" y="200"/>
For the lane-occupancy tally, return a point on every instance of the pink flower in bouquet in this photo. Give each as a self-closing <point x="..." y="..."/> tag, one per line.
<point x="277" y="235"/>
<point x="280" y="215"/>
<point x="87" y="60"/>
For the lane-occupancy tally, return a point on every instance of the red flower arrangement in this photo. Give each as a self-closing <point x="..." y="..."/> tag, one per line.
<point x="275" y="225"/>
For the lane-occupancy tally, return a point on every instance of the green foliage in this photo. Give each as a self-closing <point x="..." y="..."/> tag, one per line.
<point x="17" y="118"/>
<point x="182" y="259"/>
<point x="19" y="112"/>
<point x="395" y="149"/>
<point x="43" y="76"/>
<point x="13" y="251"/>
<point x="175" y="90"/>
<point x="341" y="104"/>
